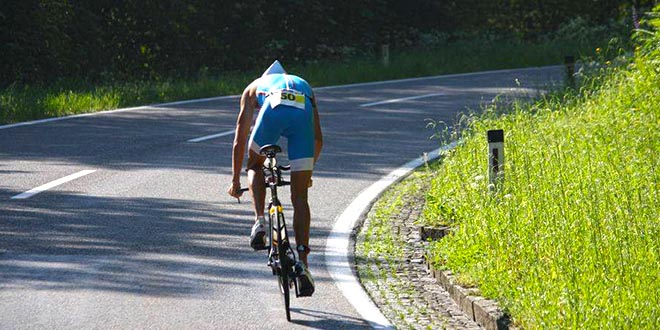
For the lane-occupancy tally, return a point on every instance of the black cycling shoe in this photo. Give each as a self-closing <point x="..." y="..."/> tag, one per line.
<point x="304" y="280"/>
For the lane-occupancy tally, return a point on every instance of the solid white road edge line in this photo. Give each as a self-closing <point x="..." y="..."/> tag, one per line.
<point x="373" y="83"/>
<point x="401" y="99"/>
<point x="212" y="136"/>
<point x="338" y="242"/>
<point x="52" y="184"/>
<point x="48" y="120"/>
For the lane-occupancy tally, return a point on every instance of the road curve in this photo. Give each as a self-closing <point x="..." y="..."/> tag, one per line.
<point x="146" y="238"/>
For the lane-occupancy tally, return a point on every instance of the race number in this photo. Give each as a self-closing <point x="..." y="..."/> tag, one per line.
<point x="287" y="97"/>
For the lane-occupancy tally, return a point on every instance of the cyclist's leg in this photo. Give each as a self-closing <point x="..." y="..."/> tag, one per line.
<point x="300" y="135"/>
<point x="301" y="214"/>
<point x="301" y="222"/>
<point x="256" y="182"/>
<point x="266" y="130"/>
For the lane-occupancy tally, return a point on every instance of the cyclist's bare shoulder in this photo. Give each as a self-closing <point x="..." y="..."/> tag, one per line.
<point x="251" y="89"/>
<point x="249" y="95"/>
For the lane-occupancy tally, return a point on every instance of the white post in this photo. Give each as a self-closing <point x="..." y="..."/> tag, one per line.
<point x="385" y="52"/>
<point x="495" y="156"/>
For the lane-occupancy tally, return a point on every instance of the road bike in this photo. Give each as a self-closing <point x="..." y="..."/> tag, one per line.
<point x="281" y="256"/>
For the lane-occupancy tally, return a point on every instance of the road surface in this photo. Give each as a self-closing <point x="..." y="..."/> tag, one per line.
<point x="136" y="232"/>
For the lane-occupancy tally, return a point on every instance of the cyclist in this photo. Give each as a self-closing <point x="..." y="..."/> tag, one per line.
<point x="286" y="107"/>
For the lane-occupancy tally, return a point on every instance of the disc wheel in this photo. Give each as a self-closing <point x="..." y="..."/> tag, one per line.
<point x="284" y="284"/>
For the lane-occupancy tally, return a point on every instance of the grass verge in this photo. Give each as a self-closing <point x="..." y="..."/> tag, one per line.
<point x="571" y="239"/>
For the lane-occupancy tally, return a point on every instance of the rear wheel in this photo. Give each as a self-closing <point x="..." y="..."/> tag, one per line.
<point x="285" y="265"/>
<point x="284" y="288"/>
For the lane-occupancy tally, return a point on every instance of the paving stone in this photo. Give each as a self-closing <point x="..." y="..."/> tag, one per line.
<point x="428" y="305"/>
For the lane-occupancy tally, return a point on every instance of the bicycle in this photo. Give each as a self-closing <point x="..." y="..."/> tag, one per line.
<point x="281" y="256"/>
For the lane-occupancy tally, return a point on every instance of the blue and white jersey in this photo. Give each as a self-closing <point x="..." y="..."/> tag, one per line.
<point x="285" y="89"/>
<point x="285" y="103"/>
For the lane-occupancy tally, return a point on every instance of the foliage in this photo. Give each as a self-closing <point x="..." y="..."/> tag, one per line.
<point x="45" y="41"/>
<point x="570" y="239"/>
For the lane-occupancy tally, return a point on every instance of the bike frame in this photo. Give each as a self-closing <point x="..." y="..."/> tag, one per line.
<point x="281" y="257"/>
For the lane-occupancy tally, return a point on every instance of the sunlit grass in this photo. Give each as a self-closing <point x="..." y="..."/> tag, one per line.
<point x="27" y="103"/>
<point x="571" y="240"/>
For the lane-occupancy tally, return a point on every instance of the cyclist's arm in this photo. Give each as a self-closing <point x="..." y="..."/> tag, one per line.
<point x="318" y="134"/>
<point x="243" y="122"/>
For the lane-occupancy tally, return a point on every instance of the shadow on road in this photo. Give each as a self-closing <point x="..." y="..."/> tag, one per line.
<point x="326" y="320"/>
<point x="144" y="246"/>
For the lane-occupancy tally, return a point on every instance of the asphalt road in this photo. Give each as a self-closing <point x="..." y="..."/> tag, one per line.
<point x="149" y="240"/>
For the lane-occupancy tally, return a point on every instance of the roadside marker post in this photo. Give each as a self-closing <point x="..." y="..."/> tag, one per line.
<point x="569" y="62"/>
<point x="495" y="156"/>
<point x="385" y="52"/>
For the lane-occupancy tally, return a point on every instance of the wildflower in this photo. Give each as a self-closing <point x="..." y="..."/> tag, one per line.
<point x="638" y="48"/>
<point x="598" y="50"/>
<point x="507" y="196"/>
<point x="479" y="178"/>
<point x="608" y="63"/>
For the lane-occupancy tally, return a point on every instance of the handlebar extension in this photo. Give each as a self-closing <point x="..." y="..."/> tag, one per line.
<point x="280" y="184"/>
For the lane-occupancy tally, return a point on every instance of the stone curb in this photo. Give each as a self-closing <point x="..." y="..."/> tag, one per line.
<point x="485" y="312"/>
<point x="459" y="307"/>
<point x="427" y="305"/>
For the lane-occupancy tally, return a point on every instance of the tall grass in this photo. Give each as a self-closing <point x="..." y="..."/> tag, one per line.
<point x="22" y="103"/>
<point x="571" y="239"/>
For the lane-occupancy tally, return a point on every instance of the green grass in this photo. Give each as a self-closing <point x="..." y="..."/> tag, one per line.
<point x="23" y="103"/>
<point x="571" y="240"/>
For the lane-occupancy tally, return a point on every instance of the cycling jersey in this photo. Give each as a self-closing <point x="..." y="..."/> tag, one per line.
<point x="285" y="103"/>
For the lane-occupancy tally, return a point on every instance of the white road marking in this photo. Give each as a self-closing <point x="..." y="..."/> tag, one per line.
<point x="401" y="99"/>
<point x="52" y="184"/>
<point x="207" y="99"/>
<point x="454" y="75"/>
<point x="337" y="245"/>
<point x="48" y="120"/>
<point x="212" y="136"/>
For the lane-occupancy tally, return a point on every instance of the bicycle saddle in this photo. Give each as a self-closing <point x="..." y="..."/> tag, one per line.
<point x="270" y="150"/>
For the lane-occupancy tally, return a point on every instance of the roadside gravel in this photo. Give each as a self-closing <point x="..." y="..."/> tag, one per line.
<point x="390" y="264"/>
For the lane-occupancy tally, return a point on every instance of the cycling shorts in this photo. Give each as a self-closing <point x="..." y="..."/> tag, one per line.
<point x="292" y="122"/>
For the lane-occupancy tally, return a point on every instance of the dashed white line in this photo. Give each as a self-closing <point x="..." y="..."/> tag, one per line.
<point x="52" y="184"/>
<point x="212" y="136"/>
<point x="338" y="243"/>
<point x="401" y="99"/>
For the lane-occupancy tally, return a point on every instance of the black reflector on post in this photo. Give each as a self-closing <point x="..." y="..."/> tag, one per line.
<point x="495" y="156"/>
<point x="569" y="62"/>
